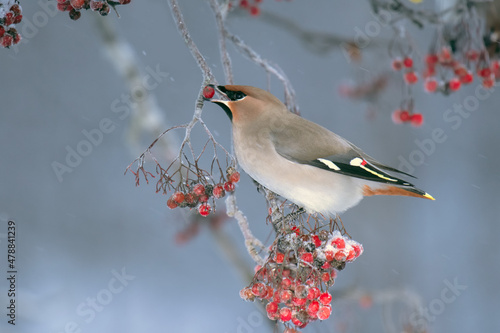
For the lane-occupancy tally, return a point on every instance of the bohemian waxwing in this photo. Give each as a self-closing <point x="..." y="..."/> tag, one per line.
<point x="300" y="160"/>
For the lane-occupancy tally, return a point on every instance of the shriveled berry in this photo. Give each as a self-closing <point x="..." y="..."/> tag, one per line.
<point x="397" y="64"/>
<point x="259" y="289"/>
<point x="74" y="14"/>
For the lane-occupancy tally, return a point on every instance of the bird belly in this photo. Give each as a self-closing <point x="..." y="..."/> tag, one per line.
<point x="317" y="190"/>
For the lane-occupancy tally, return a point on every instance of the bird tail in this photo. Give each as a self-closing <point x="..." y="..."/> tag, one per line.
<point x="409" y="191"/>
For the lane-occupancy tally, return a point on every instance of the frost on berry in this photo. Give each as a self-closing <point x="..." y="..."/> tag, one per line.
<point x="299" y="270"/>
<point x="10" y="15"/>
<point x="75" y="7"/>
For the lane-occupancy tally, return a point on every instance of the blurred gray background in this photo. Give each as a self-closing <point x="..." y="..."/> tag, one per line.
<point x="75" y="234"/>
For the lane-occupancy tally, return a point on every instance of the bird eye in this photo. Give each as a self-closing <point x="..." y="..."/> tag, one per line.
<point x="235" y="95"/>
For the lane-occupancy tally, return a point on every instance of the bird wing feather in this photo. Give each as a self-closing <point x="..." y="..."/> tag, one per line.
<point x="331" y="152"/>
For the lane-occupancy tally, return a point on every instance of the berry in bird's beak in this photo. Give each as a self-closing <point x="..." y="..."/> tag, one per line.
<point x="208" y="92"/>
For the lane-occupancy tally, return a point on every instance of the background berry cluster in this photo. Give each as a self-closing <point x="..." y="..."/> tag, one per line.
<point x="74" y="7"/>
<point x="10" y="15"/>
<point x="293" y="283"/>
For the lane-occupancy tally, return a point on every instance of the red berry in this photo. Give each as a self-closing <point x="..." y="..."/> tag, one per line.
<point x="429" y="71"/>
<point x="411" y="78"/>
<point x="204" y="209"/>
<point x="431" y="59"/>
<point x="404" y="116"/>
<point x="18" y="19"/>
<point x="408" y="62"/>
<point x="259" y="289"/>
<point x="77" y="4"/>
<point x="484" y="72"/>
<point x="313" y="307"/>
<point x="430" y="85"/>
<point x="218" y="191"/>
<point x="307" y="257"/>
<point x="171" y="203"/>
<point x="454" y="84"/>
<point x="208" y="92"/>
<point x="203" y="198"/>
<point x="488" y="82"/>
<point x="244" y="3"/>
<point x="340" y="255"/>
<point x="254" y="11"/>
<point x="285" y="295"/>
<point x="313" y="293"/>
<point x="286" y="283"/>
<point x="285" y="314"/>
<point x="272" y="307"/>
<point x="445" y="55"/>
<point x="417" y="119"/>
<point x="325" y="298"/>
<point x="396" y="117"/>
<point x="329" y="255"/>
<point x="324" y="312"/>
<point x="339" y="243"/>
<point x="229" y="186"/>
<point x="460" y="71"/>
<point x="325" y="277"/>
<point x="358" y="249"/>
<point x="6" y="40"/>
<point x="397" y="64"/>
<point x="8" y="19"/>
<point x="279" y="258"/>
<point x="472" y="55"/>
<point x="95" y="5"/>
<point x="467" y="78"/>
<point x="2" y="30"/>
<point x="234" y="177"/>
<point x="299" y="301"/>
<point x="199" y="189"/>
<point x="316" y="240"/>
<point x="178" y="197"/>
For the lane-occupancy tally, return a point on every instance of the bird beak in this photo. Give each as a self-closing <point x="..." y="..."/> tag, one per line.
<point x="218" y="91"/>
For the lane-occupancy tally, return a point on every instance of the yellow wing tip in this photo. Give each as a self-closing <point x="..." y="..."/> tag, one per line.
<point x="428" y="196"/>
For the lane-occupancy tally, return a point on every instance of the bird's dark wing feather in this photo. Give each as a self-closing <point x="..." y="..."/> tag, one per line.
<point x="331" y="152"/>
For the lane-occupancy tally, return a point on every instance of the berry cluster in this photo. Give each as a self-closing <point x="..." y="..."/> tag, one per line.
<point x="10" y="15"/>
<point x="74" y="7"/>
<point x="404" y="116"/>
<point x="197" y="194"/>
<point x="293" y="283"/>
<point x="252" y="6"/>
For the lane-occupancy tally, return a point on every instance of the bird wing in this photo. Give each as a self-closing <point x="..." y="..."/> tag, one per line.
<point x="305" y="142"/>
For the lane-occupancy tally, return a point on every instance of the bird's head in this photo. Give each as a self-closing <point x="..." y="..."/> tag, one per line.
<point x="245" y="103"/>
